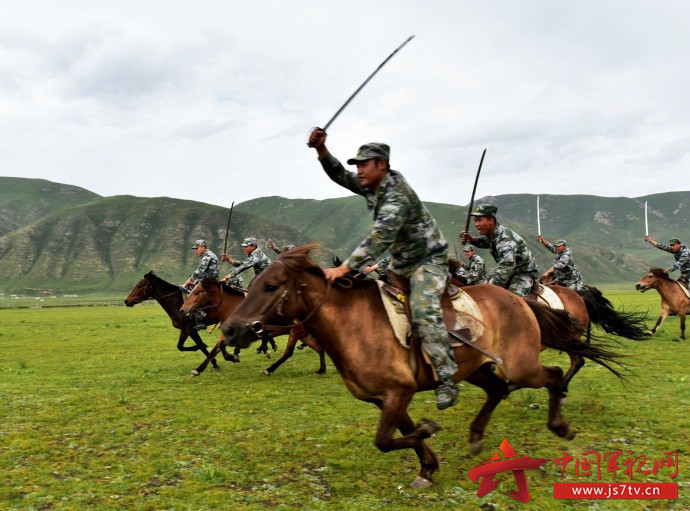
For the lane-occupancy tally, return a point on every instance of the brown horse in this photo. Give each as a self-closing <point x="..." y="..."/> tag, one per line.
<point x="673" y="298"/>
<point x="221" y="301"/>
<point x="353" y="328"/>
<point x="170" y="297"/>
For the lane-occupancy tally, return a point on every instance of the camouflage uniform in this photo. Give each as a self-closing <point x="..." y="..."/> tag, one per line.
<point x="682" y="258"/>
<point x="257" y="260"/>
<point x="208" y="267"/>
<point x="564" y="271"/>
<point x="384" y="263"/>
<point x="280" y="250"/>
<point x="418" y="250"/>
<point x="475" y="270"/>
<point x="236" y="281"/>
<point x="517" y="270"/>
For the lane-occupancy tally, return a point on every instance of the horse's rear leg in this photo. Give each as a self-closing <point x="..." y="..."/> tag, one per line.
<point x="682" y="326"/>
<point x="576" y="363"/>
<point x="557" y="422"/>
<point x="289" y="350"/>
<point x="496" y="389"/>
<point x="662" y="317"/>
<point x="210" y="357"/>
<point x="394" y="416"/>
<point x="201" y="345"/>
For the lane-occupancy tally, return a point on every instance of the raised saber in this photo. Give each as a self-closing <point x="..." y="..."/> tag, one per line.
<point x="538" y="218"/>
<point x="646" y="222"/>
<point x="227" y="229"/>
<point x="474" y="189"/>
<point x="363" y="84"/>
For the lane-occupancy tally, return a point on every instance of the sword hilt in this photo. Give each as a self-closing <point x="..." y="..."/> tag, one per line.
<point x="315" y="128"/>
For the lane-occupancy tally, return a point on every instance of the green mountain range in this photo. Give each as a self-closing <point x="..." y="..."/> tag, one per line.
<point x="57" y="238"/>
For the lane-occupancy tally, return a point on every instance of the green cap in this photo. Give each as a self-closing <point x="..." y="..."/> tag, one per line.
<point x="673" y="241"/>
<point x="467" y="248"/>
<point x="198" y="243"/>
<point x="249" y="241"/>
<point x="369" y="151"/>
<point x="559" y="243"/>
<point x="485" y="210"/>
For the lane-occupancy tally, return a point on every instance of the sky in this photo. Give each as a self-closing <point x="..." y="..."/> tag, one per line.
<point x="213" y="101"/>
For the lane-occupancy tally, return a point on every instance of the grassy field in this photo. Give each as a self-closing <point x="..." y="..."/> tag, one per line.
<point x="98" y="411"/>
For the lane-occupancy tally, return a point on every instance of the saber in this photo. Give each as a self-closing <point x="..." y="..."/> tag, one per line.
<point x="538" y="218"/>
<point x="646" y="223"/>
<point x="363" y="84"/>
<point x="227" y="229"/>
<point x="476" y="180"/>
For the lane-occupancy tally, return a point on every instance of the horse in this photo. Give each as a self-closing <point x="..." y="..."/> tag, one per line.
<point x="170" y="297"/>
<point x="352" y="327"/>
<point x="221" y="301"/>
<point x="673" y="298"/>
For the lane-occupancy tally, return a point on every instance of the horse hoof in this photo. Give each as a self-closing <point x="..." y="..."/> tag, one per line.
<point x="476" y="447"/>
<point x="268" y="354"/>
<point x="429" y="426"/>
<point x="564" y="400"/>
<point x="266" y="372"/>
<point x="195" y="372"/>
<point x="570" y="434"/>
<point x="216" y="368"/>
<point x="421" y="483"/>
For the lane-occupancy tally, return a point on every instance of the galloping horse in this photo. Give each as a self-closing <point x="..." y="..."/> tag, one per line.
<point x="353" y="328"/>
<point x="673" y="298"/>
<point x="169" y="296"/>
<point x="221" y="300"/>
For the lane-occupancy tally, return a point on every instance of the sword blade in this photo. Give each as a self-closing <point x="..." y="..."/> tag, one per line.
<point x="538" y="218"/>
<point x="227" y="229"/>
<point x="646" y="222"/>
<point x="474" y="189"/>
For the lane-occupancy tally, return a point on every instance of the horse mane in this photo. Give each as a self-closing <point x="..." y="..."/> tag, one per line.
<point x="153" y="278"/>
<point x="660" y="272"/>
<point x="297" y="259"/>
<point x="223" y="286"/>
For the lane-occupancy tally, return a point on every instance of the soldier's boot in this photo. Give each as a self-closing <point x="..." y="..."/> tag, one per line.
<point x="446" y="394"/>
<point x="199" y="320"/>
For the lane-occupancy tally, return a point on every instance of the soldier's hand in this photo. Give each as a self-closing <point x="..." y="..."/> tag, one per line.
<point x="317" y="139"/>
<point x="332" y="274"/>
<point x="648" y="239"/>
<point x="271" y="245"/>
<point x="540" y="238"/>
<point x="223" y="280"/>
<point x="465" y="237"/>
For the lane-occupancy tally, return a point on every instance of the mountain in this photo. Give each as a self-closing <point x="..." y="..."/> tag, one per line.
<point x="61" y="238"/>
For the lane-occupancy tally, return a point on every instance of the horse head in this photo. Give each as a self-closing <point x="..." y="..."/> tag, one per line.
<point x="651" y="280"/>
<point x="278" y="296"/>
<point x="203" y="296"/>
<point x="142" y="291"/>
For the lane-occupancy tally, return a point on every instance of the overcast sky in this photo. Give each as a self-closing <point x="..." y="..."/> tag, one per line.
<point x="214" y="100"/>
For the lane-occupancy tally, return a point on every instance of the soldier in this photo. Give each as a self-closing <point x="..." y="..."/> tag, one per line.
<point x="404" y="227"/>
<point x="475" y="269"/>
<point x="272" y="245"/>
<point x="680" y="253"/>
<point x="255" y="259"/>
<point x="208" y="267"/>
<point x="379" y="267"/>
<point x="517" y="271"/>
<point x="564" y="271"/>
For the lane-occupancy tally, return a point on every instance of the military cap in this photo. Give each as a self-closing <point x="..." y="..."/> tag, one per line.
<point x="485" y="210"/>
<point x="673" y="241"/>
<point x="198" y="243"/>
<point x="559" y="243"/>
<point x="468" y="248"/>
<point x="249" y="241"/>
<point x="369" y="151"/>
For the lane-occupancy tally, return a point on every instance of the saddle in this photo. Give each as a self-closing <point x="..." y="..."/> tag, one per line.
<point x="461" y="332"/>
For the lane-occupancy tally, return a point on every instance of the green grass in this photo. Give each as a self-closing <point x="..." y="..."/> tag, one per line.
<point x="98" y="411"/>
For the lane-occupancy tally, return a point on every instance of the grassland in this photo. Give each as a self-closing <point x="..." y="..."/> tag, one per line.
<point x="98" y="411"/>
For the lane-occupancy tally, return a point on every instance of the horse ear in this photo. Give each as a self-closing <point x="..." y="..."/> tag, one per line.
<point x="336" y="261"/>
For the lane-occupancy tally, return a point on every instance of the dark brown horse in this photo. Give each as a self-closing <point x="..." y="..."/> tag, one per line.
<point x="673" y="298"/>
<point x="221" y="301"/>
<point x="352" y="327"/>
<point x="170" y="297"/>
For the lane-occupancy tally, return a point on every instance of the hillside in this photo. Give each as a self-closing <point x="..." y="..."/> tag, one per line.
<point x="59" y="238"/>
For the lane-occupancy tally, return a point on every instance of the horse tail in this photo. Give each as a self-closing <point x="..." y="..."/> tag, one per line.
<point x="560" y="332"/>
<point x="628" y="324"/>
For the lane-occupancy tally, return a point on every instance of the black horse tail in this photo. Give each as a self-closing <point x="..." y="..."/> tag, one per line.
<point x="560" y="332"/>
<point x="630" y="325"/>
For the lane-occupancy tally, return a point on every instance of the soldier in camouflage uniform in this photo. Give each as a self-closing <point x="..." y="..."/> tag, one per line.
<point x="475" y="269"/>
<point x="680" y="253"/>
<point x="564" y="271"/>
<point x="272" y="245"/>
<point x="404" y="227"/>
<point x="517" y="271"/>
<point x="379" y="267"/>
<point x="255" y="259"/>
<point x="208" y="267"/>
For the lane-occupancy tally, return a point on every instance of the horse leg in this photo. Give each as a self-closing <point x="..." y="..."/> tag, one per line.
<point x="496" y="389"/>
<point x="264" y="345"/>
<point x="554" y="384"/>
<point x="576" y="363"/>
<point x="289" y="350"/>
<point x="662" y="317"/>
<point x="210" y="357"/>
<point x="311" y="342"/>
<point x="682" y="326"/>
<point x="183" y="337"/>
<point x="394" y="416"/>
<point x="204" y="349"/>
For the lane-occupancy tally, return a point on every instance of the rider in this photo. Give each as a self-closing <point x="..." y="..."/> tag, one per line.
<point x="680" y="253"/>
<point x="475" y="268"/>
<point x="255" y="259"/>
<point x="517" y="270"/>
<point x="404" y="227"/>
<point x="272" y="245"/>
<point x="564" y="271"/>
<point x="379" y="267"/>
<point x="208" y="267"/>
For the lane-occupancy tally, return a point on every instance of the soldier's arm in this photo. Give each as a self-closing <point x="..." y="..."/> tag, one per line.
<point x="550" y="246"/>
<point x="563" y="262"/>
<point x="683" y="260"/>
<point x="661" y="246"/>
<point x="387" y="224"/>
<point x="335" y="170"/>
<point x="481" y="241"/>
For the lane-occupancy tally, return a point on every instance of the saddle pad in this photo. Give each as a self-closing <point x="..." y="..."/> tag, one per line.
<point x="468" y="315"/>
<point x="687" y="293"/>
<point x="550" y="297"/>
